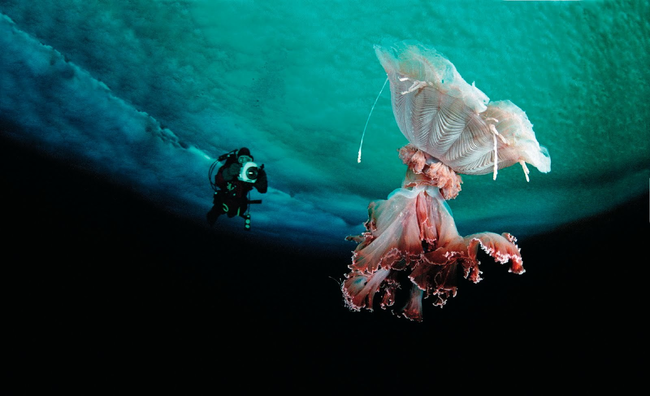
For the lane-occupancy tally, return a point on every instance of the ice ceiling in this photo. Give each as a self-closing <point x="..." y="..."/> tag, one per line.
<point x="148" y="93"/>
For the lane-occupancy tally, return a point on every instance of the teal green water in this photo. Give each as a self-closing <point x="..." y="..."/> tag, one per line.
<point x="295" y="80"/>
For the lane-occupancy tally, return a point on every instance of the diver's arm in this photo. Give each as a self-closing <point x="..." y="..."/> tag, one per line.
<point x="231" y="172"/>
<point x="227" y="173"/>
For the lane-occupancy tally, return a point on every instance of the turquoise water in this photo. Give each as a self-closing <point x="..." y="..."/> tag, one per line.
<point x="149" y="93"/>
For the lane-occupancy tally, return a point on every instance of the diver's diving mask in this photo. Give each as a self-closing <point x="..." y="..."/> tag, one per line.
<point x="242" y="159"/>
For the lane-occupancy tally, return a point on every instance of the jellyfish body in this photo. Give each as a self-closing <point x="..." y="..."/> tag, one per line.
<point x="452" y="128"/>
<point x="444" y="116"/>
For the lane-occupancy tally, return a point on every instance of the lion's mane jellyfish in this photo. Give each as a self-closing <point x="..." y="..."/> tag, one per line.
<point x="411" y="238"/>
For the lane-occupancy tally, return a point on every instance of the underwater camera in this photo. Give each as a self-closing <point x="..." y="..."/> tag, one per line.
<point x="249" y="172"/>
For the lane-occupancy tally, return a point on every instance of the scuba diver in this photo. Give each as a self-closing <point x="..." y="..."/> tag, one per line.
<point x="232" y="185"/>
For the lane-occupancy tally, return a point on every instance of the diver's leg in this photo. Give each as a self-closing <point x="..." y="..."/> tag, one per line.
<point x="217" y="210"/>
<point x="243" y="212"/>
<point x="213" y="215"/>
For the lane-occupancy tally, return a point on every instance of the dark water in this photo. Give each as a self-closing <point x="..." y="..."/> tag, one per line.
<point x="101" y="287"/>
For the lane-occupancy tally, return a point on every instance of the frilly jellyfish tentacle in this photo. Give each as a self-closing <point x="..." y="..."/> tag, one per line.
<point x="503" y="249"/>
<point x="413" y="232"/>
<point x="359" y="289"/>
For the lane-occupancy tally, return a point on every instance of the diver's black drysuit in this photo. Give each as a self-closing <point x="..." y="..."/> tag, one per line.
<point x="232" y="196"/>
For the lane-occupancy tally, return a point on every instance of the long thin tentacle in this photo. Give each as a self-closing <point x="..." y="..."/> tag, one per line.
<point x="369" y="114"/>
